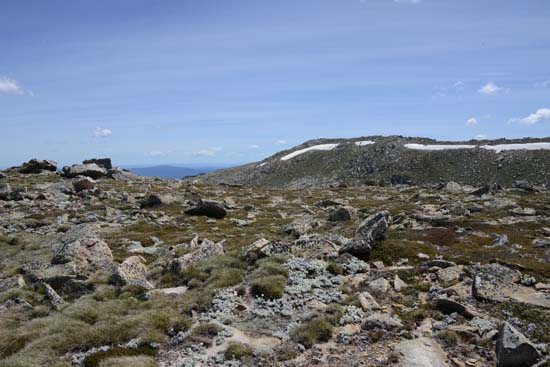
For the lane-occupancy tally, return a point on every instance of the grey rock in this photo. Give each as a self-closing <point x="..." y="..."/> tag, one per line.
<point x="102" y="162"/>
<point x="55" y="299"/>
<point x="380" y="285"/>
<point x="81" y="183"/>
<point x="341" y="214"/>
<point x="421" y="352"/>
<point x="91" y="170"/>
<point x="37" y="166"/>
<point x="150" y="201"/>
<point x="379" y="320"/>
<point x="371" y="230"/>
<point x="132" y="271"/>
<point x="16" y="281"/>
<point x="208" y="208"/>
<point x="513" y="349"/>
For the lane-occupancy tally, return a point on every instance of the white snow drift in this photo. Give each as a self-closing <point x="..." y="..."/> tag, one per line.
<point x="497" y="148"/>
<point x="302" y="151"/>
<point x="364" y="142"/>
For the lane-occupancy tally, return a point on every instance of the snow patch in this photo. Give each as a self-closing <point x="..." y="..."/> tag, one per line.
<point x="302" y="151"/>
<point x="526" y="146"/>
<point x="438" y="147"/>
<point x="363" y="143"/>
<point x="261" y="164"/>
<point x="497" y="148"/>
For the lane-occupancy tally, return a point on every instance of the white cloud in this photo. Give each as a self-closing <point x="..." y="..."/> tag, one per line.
<point x="472" y="121"/>
<point x="490" y="89"/>
<point x="543" y="84"/>
<point x="208" y="152"/>
<point x="102" y="133"/>
<point x="541" y="115"/>
<point x="280" y="142"/>
<point x="254" y="146"/>
<point x="11" y="86"/>
<point x="481" y="137"/>
<point x="155" y="153"/>
<point x="408" y="1"/>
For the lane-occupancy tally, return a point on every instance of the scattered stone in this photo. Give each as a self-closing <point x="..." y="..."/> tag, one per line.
<point x="399" y="284"/>
<point x="91" y="170"/>
<point x="150" y="201"/>
<point x="380" y="285"/>
<point x="453" y="188"/>
<point x="132" y="271"/>
<point x="101" y="162"/>
<point x="341" y="214"/>
<point x="37" y="166"/>
<point x="55" y="299"/>
<point x="14" y="282"/>
<point x="205" y="250"/>
<point x="421" y="352"/>
<point x="81" y="183"/>
<point x="208" y="208"/>
<point x="383" y="321"/>
<point x="371" y="230"/>
<point x="513" y="349"/>
<point x="367" y="301"/>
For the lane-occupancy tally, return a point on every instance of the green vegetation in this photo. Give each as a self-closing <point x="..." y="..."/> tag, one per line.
<point x="317" y="330"/>
<point x="238" y="351"/>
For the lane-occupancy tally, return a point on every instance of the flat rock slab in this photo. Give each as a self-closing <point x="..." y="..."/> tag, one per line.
<point x="421" y="352"/>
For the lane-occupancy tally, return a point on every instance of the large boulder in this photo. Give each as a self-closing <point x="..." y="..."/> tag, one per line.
<point x="513" y="349"/>
<point x="120" y="174"/>
<point x="421" y="352"/>
<point x="150" y="201"/>
<point x="340" y="214"/>
<point x="37" y="166"/>
<point x="102" y="162"/>
<point x="204" y="251"/>
<point x="208" y="208"/>
<point x="91" y="170"/>
<point x="371" y="230"/>
<point x="81" y="183"/>
<point x="7" y="193"/>
<point x="499" y="283"/>
<point x="85" y="254"/>
<point x="132" y="271"/>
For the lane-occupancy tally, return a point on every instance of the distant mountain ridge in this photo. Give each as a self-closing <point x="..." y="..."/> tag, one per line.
<point x="378" y="160"/>
<point x="167" y="171"/>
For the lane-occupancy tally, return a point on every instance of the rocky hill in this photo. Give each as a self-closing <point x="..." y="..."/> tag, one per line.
<point x="103" y="268"/>
<point x="377" y="160"/>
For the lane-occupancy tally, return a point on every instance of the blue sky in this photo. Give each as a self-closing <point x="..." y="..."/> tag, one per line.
<point x="230" y="81"/>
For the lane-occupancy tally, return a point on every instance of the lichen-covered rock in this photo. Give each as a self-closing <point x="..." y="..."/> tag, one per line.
<point x="204" y="251"/>
<point x="91" y="170"/>
<point x="37" y="166"/>
<point x="150" y="201"/>
<point x="133" y="271"/>
<point x="513" y="349"/>
<point x="421" y="352"/>
<point x="208" y="208"/>
<point x="81" y="183"/>
<point x="84" y="254"/>
<point x="102" y="162"/>
<point x="371" y="230"/>
<point x="341" y="214"/>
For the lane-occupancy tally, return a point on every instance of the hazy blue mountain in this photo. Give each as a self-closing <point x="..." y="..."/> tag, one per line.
<point x="171" y="171"/>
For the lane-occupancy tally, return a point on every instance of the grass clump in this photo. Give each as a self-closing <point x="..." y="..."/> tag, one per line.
<point x="317" y="330"/>
<point x="270" y="287"/>
<point x="269" y="279"/>
<point x="238" y="351"/>
<point x="138" y="361"/>
<point x="108" y="358"/>
<point x="335" y="268"/>
<point x="203" y="333"/>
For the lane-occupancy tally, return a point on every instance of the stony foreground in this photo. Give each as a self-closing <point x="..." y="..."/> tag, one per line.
<point x="102" y="268"/>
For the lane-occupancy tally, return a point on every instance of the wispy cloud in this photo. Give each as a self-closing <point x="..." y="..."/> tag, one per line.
<point x="543" y="84"/>
<point x="408" y="1"/>
<point x="280" y="142"/>
<point x="155" y="153"/>
<point x="208" y="152"/>
<point x="102" y="133"/>
<point x="254" y="146"/>
<point x="541" y="115"/>
<point x="490" y="89"/>
<point x="11" y="86"/>
<point x="472" y="121"/>
<point x="480" y="137"/>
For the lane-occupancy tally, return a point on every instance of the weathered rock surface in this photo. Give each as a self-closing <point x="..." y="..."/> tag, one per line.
<point x="421" y="352"/>
<point x="208" y="208"/>
<point x="37" y="166"/>
<point x="513" y="349"/>
<point x="133" y="271"/>
<point x="371" y="230"/>
<point x="91" y="170"/>
<point x="81" y="183"/>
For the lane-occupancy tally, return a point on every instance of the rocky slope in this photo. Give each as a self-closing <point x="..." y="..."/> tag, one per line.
<point x="119" y="270"/>
<point x="378" y="160"/>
